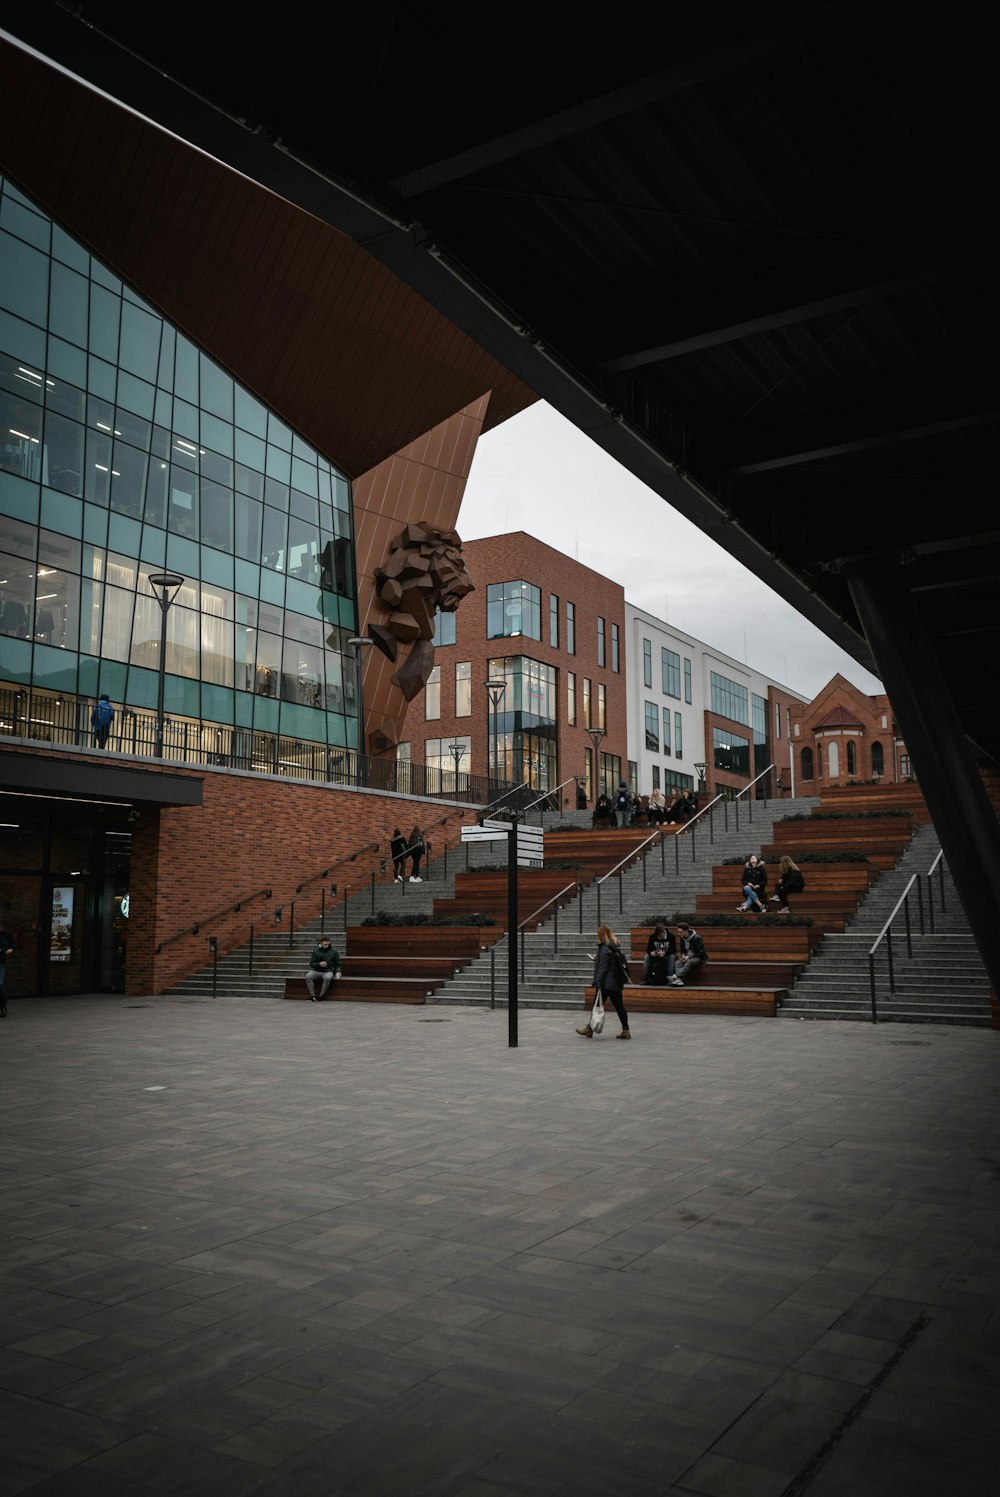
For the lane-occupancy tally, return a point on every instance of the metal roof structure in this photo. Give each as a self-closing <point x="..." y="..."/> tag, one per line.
<point x="750" y="254"/>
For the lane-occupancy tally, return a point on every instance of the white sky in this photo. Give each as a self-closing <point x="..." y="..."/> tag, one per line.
<point x="539" y="473"/>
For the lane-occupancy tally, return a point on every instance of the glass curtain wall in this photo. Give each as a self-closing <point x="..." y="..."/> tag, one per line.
<point x="524" y="729"/>
<point x="125" y="451"/>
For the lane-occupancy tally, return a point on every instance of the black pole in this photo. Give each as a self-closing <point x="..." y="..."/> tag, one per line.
<point x="512" y="933"/>
<point x="164" y="605"/>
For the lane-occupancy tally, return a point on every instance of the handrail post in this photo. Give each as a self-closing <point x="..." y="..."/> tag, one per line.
<point x="871" y="979"/>
<point x="373" y="891"/>
<point x="892" y="970"/>
<point x="555" y="932"/>
<point x="941" y="883"/>
<point x="322" y="905"/>
<point x="493" y="975"/>
<point x="579" y="900"/>
<point x="291" y="925"/>
<point x="663" y="853"/>
<point x="523" y="935"/>
<point x="598" y="901"/>
<point x="906" y="917"/>
<point x="920" y="902"/>
<point x="250" y="962"/>
<point x="621" y="891"/>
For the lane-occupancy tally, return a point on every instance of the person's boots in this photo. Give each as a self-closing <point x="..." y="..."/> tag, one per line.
<point x="624" y="1035"/>
<point x="587" y="1032"/>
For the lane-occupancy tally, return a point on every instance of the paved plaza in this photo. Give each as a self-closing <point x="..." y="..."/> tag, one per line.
<point x="305" y="1250"/>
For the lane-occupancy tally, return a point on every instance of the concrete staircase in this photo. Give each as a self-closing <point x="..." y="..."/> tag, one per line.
<point x="943" y="982"/>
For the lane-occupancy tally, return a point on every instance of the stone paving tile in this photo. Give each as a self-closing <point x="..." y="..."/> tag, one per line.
<point x="403" y="1258"/>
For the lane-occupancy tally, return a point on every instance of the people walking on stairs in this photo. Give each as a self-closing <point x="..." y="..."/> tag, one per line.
<point x="693" y="953"/>
<point x="416" y="851"/>
<point x="610" y="976"/>
<point x="324" y="966"/>
<point x="791" y="880"/>
<point x="754" y="885"/>
<point x="397" y="846"/>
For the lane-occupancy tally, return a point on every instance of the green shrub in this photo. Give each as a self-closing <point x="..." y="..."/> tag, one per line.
<point x="844" y="815"/>
<point x="717" y="919"/>
<point x="385" y="918"/>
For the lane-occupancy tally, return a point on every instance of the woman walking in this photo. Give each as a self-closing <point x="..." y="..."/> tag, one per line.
<point x="608" y="977"/>
<point x="397" y="847"/>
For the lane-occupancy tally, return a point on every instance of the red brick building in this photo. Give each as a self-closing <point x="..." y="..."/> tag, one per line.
<point x="552" y="632"/>
<point x="844" y="735"/>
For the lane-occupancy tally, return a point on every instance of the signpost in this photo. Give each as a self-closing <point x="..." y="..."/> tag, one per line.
<point x="525" y="849"/>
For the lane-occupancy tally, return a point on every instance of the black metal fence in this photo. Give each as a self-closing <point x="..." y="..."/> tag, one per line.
<point x="65" y="721"/>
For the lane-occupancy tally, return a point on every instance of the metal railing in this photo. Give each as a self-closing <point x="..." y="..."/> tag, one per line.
<point x="915" y="883"/>
<point x="548" y="795"/>
<point x="54" y="721"/>
<point x="521" y="929"/>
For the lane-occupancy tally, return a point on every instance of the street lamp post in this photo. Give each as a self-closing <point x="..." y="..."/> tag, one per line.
<point x="496" y="686"/>
<point x="596" y="734"/>
<point x="456" y="750"/>
<point x="359" y="641"/>
<point x="700" y="770"/>
<point x="165" y="586"/>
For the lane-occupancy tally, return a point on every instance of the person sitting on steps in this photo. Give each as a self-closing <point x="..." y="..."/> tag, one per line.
<point x="693" y="953"/>
<point x="754" y="883"/>
<point x="790" y="881"/>
<point x="324" y="966"/>
<point x="660" y="960"/>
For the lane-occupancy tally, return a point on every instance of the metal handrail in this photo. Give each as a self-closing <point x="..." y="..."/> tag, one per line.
<point x="753" y="782"/>
<point x="192" y="930"/>
<point x="545" y="794"/>
<point x="903" y="902"/>
<point x="520" y="930"/>
<point x="936" y="867"/>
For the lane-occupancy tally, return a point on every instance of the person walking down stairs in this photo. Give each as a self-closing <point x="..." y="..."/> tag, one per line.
<point x="416" y="851"/>
<point x="610" y="975"/>
<point x="397" y="846"/>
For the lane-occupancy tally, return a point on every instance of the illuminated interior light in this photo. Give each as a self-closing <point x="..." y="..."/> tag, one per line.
<point x="40" y="597"/>
<point x="25" y="436"/>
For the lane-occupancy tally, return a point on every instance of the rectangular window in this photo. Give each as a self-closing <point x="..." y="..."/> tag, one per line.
<point x="730" y="699"/>
<point x="656" y="777"/>
<point x="670" y="673"/>
<point x="553" y="621"/>
<point x="571" y="698"/>
<point x="444" y="628"/>
<point x="463" y="688"/>
<point x="615" y="663"/>
<point x="513" y="608"/>
<point x="600" y="642"/>
<point x="652" y="728"/>
<point x="447" y="759"/>
<point x="432" y="695"/>
<point x="602" y="706"/>
<point x="570" y="628"/>
<point x="687" y="679"/>
<point x="587" y="720"/>
<point x="777" y="720"/>
<point x="666" y="730"/>
<point x="730" y="752"/>
<point x="647" y="663"/>
<point x="678" y="736"/>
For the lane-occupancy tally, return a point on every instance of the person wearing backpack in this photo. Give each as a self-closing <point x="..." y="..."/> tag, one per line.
<point x="623" y="804"/>
<point x="610" y="977"/>
<point x="101" y="719"/>
<point x="693" y="953"/>
<point x="791" y="880"/>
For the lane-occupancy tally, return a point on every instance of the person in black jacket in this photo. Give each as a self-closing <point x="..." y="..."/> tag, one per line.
<point x="608" y="978"/>
<point x="397" y="846"/>
<point x="7" y="948"/>
<point x="416" y="850"/>
<point x="754" y="885"/>
<point x="790" y="881"/>
<point x="661" y="957"/>
<point x="693" y="953"/>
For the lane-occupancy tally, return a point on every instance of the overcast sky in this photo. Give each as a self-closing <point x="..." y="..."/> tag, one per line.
<point x="538" y="473"/>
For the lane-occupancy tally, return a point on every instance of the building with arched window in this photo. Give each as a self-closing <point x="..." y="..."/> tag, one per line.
<point x="843" y="734"/>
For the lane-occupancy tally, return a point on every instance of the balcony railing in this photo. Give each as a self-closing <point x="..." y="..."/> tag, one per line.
<point x="43" y="718"/>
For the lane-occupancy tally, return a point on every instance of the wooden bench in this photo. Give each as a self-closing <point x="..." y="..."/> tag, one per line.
<point x="369" y="989"/>
<point x="409" y="941"/>
<point x="750" y="941"/>
<point x="754" y="1002"/>
<point x="731" y="974"/>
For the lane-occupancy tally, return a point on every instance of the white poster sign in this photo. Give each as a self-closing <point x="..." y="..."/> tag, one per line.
<point x="61" y="947"/>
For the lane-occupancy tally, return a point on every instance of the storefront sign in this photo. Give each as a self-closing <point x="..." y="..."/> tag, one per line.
<point x="61" y="947"/>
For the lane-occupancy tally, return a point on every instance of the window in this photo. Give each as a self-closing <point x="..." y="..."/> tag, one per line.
<point x="633" y="775"/>
<point x="602" y="712"/>
<point x="570" y="628"/>
<point x="666" y="730"/>
<point x="670" y="673"/>
<point x="833" y="762"/>
<point x="652" y="728"/>
<point x="587" y="720"/>
<point x="571" y="698"/>
<point x="878" y="759"/>
<point x="777" y="720"/>
<point x="600" y="642"/>
<point x="615" y="664"/>
<point x="432" y="695"/>
<point x="439" y="756"/>
<point x="513" y="608"/>
<point x="553" y="621"/>
<point x="463" y="688"/>
<point x="730" y="752"/>
<point x="444" y="628"/>
<point x="730" y="699"/>
<point x="819" y="761"/>
<point x="687" y="679"/>
<point x="656" y="777"/>
<point x="806" y="763"/>
<point x="647" y="663"/>
<point x="678" y="736"/>
<point x="905" y="771"/>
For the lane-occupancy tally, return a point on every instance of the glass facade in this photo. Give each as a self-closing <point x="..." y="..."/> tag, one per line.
<point x="125" y="451"/>
<point x="525" y="724"/>
<point x="670" y="673"/>
<point x="513" y="608"/>
<point x="730" y="699"/>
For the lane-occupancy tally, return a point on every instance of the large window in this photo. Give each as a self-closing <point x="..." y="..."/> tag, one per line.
<point x="463" y="688"/>
<point x="730" y="752"/>
<point x="571" y="698"/>
<point x="513" y="608"/>
<point x="678" y="736"/>
<point x="432" y="695"/>
<point x="571" y="628"/>
<point x="687" y="680"/>
<point x="441" y="756"/>
<point x="615" y="661"/>
<point x="588" y="721"/>
<point x="652" y="728"/>
<point x="730" y="699"/>
<point x="600" y="643"/>
<point x="525" y="725"/>
<point x="553" y="621"/>
<point x="878" y="759"/>
<point x="444" y="628"/>
<point x="666" y="730"/>
<point x="134" y="453"/>
<point x="602" y="706"/>
<point x="670" y="673"/>
<point x="647" y="663"/>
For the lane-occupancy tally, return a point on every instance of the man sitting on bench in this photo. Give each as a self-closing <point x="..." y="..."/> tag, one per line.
<point x="693" y="953"/>
<point x="324" y="966"/>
